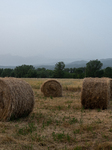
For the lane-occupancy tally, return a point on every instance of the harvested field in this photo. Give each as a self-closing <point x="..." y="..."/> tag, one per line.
<point x="59" y="123"/>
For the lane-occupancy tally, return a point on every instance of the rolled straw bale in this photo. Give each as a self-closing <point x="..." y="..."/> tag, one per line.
<point x="51" y="88"/>
<point x="95" y="93"/>
<point x="16" y="98"/>
<point x="110" y="80"/>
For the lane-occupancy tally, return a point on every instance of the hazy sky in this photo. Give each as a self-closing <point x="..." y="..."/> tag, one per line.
<point x="56" y="28"/>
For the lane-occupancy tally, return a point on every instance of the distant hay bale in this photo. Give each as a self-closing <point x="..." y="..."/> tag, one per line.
<point x="51" y="88"/>
<point x="16" y="98"/>
<point x="95" y="93"/>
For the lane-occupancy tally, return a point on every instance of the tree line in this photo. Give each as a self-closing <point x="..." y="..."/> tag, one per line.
<point x="92" y="69"/>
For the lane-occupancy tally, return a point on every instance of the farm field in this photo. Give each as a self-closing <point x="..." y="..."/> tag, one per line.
<point x="59" y="123"/>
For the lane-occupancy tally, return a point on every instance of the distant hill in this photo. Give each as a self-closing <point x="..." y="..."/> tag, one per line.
<point x="10" y="61"/>
<point x="50" y="67"/>
<point x="106" y="62"/>
<point x="4" y="67"/>
<point x="82" y="63"/>
<point x="14" y="60"/>
<point x="76" y="64"/>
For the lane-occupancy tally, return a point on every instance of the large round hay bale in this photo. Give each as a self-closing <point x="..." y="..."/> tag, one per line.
<point x="51" y="88"/>
<point x="16" y="98"/>
<point x="95" y="93"/>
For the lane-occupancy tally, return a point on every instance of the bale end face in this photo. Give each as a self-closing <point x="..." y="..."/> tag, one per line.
<point x="51" y="88"/>
<point x="95" y="93"/>
<point x="16" y="98"/>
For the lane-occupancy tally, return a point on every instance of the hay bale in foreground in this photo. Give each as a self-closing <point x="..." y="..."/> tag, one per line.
<point x="16" y="98"/>
<point x="95" y="93"/>
<point x="51" y="88"/>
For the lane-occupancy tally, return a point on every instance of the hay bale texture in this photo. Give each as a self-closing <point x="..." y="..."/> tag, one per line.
<point x="51" y="88"/>
<point x="95" y="93"/>
<point x="16" y="98"/>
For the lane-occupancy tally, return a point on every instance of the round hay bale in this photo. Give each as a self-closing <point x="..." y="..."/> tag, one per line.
<point x="51" y="88"/>
<point x="95" y="93"/>
<point x="16" y="98"/>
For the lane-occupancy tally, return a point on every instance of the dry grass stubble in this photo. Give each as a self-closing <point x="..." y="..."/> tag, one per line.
<point x="59" y="124"/>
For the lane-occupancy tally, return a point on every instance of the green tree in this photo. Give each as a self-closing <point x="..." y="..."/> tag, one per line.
<point x="6" y="72"/>
<point x="41" y="73"/>
<point x="79" y="72"/>
<point x="92" y="67"/>
<point x="108" y="72"/>
<point x="67" y="73"/>
<point x="22" y="71"/>
<point x="72" y="70"/>
<point x="99" y="73"/>
<point x="67" y="70"/>
<point x="59" y="70"/>
<point x="1" y="70"/>
<point x="32" y="73"/>
<point x="49" y="73"/>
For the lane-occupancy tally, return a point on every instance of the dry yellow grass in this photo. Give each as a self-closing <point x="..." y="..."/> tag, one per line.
<point x="59" y="123"/>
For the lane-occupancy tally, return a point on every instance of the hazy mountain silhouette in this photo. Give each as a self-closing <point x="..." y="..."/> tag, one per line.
<point x="106" y="62"/>
<point x="11" y="61"/>
<point x="76" y="64"/>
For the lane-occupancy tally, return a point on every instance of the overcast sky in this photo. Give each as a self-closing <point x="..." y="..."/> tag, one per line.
<point x="56" y="28"/>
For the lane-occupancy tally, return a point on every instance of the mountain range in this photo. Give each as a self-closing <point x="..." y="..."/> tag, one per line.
<point x="11" y="61"/>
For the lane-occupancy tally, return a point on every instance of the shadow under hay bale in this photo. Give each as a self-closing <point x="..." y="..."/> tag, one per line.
<point x="16" y="99"/>
<point x="95" y="93"/>
<point x="51" y="88"/>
